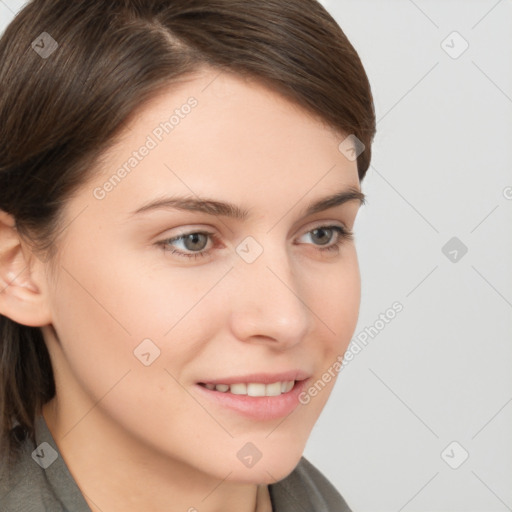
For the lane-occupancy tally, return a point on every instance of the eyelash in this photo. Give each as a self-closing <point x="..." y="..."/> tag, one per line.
<point x="344" y="235"/>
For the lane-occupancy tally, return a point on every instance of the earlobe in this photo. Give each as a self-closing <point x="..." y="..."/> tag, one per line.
<point x="22" y="292"/>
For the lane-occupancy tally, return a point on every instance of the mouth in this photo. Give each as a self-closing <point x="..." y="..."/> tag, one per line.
<point x="259" y="397"/>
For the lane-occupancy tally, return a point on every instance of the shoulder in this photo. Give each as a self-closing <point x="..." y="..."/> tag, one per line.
<point x="306" y="488"/>
<point x="23" y="483"/>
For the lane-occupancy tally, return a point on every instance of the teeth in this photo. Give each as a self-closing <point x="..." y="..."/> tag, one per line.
<point x="254" y="388"/>
<point x="287" y="386"/>
<point x="273" y="389"/>
<point x="238" y="389"/>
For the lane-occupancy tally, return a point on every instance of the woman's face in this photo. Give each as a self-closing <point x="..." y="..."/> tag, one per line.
<point x="138" y="330"/>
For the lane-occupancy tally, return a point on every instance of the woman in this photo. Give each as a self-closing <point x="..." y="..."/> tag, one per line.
<point x="178" y="184"/>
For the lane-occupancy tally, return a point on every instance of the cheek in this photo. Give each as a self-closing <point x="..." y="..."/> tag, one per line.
<point x="336" y="298"/>
<point x="102" y="313"/>
<point x="100" y="316"/>
<point x="95" y="338"/>
<point x="105" y="308"/>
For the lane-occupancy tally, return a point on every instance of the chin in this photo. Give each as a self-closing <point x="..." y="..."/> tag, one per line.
<point x="271" y="468"/>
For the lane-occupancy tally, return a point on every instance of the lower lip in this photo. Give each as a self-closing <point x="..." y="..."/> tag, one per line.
<point x="259" y="408"/>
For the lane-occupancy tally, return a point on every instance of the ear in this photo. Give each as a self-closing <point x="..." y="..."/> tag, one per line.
<point x="23" y="289"/>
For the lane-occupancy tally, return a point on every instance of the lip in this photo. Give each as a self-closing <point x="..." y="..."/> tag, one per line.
<point x="264" y="378"/>
<point x="258" y="408"/>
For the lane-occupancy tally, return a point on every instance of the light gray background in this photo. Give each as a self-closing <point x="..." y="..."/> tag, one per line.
<point x="440" y="371"/>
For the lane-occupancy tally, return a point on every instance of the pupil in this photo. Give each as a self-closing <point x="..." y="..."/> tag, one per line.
<point x="194" y="237"/>
<point x="321" y="231"/>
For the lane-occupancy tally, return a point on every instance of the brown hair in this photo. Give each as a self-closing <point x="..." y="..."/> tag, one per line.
<point x="60" y="111"/>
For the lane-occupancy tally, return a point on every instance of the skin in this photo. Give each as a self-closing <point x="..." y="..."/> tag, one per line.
<point x="145" y="430"/>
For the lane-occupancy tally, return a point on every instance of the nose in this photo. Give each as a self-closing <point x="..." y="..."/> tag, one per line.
<point x="268" y="303"/>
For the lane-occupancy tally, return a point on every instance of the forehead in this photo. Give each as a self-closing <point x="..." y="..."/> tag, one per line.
<point x="220" y="135"/>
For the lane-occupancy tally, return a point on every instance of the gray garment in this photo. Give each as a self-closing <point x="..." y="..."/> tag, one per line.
<point x="47" y="485"/>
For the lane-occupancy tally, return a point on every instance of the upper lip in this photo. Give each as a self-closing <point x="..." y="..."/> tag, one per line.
<point x="264" y="378"/>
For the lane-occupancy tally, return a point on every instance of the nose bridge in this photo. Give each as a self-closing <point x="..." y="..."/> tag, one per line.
<point x="268" y="301"/>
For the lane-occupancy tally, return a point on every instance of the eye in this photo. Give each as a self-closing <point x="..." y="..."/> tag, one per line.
<point x="193" y="244"/>
<point x="325" y="233"/>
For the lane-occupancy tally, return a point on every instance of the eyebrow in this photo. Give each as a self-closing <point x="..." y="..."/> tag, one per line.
<point x="220" y="208"/>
